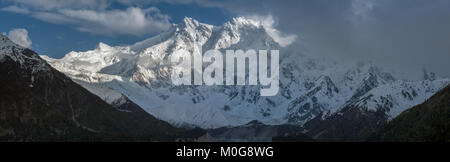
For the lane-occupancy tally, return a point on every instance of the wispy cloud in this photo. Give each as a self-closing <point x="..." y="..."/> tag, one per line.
<point x="94" y="16"/>
<point x="131" y="21"/>
<point x="16" y="9"/>
<point x="61" y="4"/>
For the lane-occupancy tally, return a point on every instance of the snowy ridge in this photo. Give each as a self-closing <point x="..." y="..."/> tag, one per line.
<point x="400" y="95"/>
<point x="11" y="49"/>
<point x="308" y="86"/>
<point x="25" y="57"/>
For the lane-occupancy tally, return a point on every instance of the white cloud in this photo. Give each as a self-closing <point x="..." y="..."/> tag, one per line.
<point x="95" y="16"/>
<point x="268" y="23"/>
<point x="20" y="37"/>
<point x="132" y="21"/>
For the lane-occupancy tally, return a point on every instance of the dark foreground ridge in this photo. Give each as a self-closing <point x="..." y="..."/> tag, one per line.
<point x="38" y="103"/>
<point x="429" y="121"/>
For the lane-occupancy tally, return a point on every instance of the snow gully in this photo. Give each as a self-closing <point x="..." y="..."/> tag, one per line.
<point x="193" y="68"/>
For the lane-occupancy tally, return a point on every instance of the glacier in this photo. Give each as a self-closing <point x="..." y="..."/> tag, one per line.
<point x="309" y="86"/>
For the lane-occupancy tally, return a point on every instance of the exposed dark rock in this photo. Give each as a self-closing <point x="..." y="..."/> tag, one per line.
<point x="38" y="103"/>
<point x="429" y="121"/>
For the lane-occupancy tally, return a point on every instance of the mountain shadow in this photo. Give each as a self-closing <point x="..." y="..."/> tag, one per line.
<point x="427" y="122"/>
<point x="38" y="103"/>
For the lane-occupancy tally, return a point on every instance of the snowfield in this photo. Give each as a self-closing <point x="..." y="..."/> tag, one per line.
<point x="308" y="86"/>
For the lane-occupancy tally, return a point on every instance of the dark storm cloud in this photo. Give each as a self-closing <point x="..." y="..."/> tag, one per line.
<point x="406" y="35"/>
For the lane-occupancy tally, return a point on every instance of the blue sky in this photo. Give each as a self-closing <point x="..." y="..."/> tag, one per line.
<point x="56" y="40"/>
<point x="400" y="34"/>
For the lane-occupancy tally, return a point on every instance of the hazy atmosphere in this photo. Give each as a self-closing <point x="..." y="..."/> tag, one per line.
<point x="406" y="35"/>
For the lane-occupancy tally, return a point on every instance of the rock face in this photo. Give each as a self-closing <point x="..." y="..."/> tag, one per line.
<point x="351" y="124"/>
<point x="311" y="89"/>
<point x="428" y="121"/>
<point x="361" y="116"/>
<point x="38" y="103"/>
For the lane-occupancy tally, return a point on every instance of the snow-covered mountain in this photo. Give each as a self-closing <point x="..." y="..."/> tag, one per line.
<point x="309" y="86"/>
<point x="39" y="103"/>
<point x="21" y="55"/>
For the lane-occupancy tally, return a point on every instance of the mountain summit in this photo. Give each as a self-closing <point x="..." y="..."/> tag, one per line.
<point x="38" y="103"/>
<point x="310" y="88"/>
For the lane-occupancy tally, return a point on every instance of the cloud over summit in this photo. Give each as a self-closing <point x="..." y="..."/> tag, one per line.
<point x="20" y="36"/>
